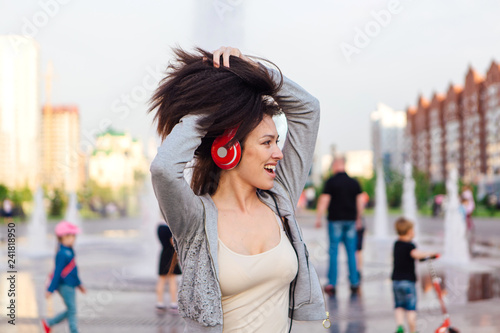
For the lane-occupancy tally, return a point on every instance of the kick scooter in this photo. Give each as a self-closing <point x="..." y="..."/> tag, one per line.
<point x="436" y="283"/>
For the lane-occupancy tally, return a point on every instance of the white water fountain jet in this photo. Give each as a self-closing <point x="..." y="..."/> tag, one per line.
<point x="409" y="199"/>
<point x="37" y="229"/>
<point x="381" y="218"/>
<point x="455" y="239"/>
<point x="72" y="214"/>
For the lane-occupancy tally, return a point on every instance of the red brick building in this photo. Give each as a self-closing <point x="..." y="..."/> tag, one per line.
<point x="473" y="127"/>
<point x="437" y="157"/>
<point x="492" y="119"/>
<point x="460" y="129"/>
<point x="453" y="127"/>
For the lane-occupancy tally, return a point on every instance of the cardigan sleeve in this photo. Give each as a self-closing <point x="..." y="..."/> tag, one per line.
<point x="302" y="117"/>
<point x="180" y="207"/>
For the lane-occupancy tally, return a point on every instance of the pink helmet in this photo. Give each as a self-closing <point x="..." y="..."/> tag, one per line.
<point x="66" y="228"/>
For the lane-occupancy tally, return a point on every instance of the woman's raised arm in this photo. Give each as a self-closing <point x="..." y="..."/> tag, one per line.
<point x="179" y="205"/>
<point x="302" y="117"/>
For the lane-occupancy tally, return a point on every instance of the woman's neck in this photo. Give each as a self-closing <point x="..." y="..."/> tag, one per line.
<point x="235" y="194"/>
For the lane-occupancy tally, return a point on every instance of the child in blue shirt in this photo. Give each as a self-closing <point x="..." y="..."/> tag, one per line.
<point x="65" y="278"/>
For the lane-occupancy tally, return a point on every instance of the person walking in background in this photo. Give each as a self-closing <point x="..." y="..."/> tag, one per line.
<point x="168" y="269"/>
<point x="65" y="278"/>
<point x="342" y="196"/>
<point x="469" y="206"/>
<point x="403" y="275"/>
<point x="7" y="210"/>
<point x="310" y="197"/>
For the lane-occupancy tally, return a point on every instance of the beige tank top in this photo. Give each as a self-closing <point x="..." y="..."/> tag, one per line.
<point x="255" y="288"/>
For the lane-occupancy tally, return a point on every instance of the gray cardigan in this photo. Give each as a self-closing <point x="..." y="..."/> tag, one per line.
<point x="193" y="219"/>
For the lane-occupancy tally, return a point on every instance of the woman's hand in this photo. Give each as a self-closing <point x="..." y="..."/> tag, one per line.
<point x="226" y="52"/>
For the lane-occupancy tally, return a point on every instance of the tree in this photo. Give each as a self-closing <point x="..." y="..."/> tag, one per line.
<point x="57" y="203"/>
<point x="4" y="192"/>
<point x="422" y="188"/>
<point x="394" y="188"/>
<point x="438" y="188"/>
<point x="21" y="195"/>
<point x="368" y="185"/>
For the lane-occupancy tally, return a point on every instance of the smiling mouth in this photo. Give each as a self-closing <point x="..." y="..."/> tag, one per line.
<point x="270" y="168"/>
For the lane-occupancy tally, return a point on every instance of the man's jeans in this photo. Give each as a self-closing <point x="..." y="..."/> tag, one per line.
<point x="344" y="231"/>
<point x="68" y="294"/>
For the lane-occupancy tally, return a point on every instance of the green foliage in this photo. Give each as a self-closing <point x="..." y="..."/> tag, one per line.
<point x="394" y="188"/>
<point x="4" y="192"/>
<point x="368" y="185"/>
<point x="57" y="203"/>
<point x="438" y="188"/>
<point x="422" y="188"/>
<point x="21" y="195"/>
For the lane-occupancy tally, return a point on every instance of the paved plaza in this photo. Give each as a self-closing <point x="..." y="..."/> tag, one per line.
<point x="117" y="261"/>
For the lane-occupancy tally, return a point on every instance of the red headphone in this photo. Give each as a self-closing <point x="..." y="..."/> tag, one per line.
<point x="226" y="158"/>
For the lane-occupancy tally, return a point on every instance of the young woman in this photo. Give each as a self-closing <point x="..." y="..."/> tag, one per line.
<point x="168" y="269"/>
<point x="245" y="265"/>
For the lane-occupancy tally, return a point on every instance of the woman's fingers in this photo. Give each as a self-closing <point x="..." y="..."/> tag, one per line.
<point x="225" y="57"/>
<point x="230" y="52"/>
<point x="216" y="56"/>
<point x="225" y="52"/>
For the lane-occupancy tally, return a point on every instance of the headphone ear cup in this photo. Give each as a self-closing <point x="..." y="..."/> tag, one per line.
<point x="226" y="158"/>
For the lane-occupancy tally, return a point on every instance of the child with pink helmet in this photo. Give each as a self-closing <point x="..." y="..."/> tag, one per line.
<point x="65" y="278"/>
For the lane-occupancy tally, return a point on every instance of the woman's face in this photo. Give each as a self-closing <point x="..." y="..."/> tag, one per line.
<point x="260" y="155"/>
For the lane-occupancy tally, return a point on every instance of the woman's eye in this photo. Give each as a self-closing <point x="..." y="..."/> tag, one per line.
<point x="267" y="142"/>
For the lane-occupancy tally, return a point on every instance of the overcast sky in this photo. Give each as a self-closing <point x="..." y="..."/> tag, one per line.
<point x="107" y="55"/>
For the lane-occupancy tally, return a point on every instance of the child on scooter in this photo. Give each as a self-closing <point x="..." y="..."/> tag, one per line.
<point x="403" y="275"/>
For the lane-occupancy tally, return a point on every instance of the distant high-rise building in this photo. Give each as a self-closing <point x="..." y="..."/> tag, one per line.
<point x="20" y="124"/>
<point x="62" y="158"/>
<point x="388" y="137"/>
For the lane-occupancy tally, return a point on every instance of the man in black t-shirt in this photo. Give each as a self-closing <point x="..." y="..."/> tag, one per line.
<point x="342" y="196"/>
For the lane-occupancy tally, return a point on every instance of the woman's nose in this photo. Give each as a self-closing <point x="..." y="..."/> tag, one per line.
<point x="277" y="154"/>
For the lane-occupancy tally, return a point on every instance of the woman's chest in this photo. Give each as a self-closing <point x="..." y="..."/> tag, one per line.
<point x="249" y="234"/>
<point x="261" y="274"/>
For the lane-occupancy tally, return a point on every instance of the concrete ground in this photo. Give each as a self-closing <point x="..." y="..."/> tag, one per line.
<point x="117" y="263"/>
